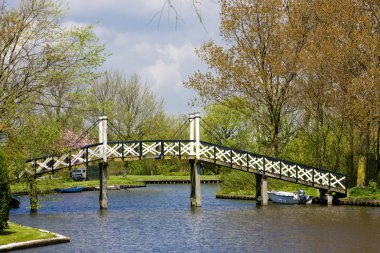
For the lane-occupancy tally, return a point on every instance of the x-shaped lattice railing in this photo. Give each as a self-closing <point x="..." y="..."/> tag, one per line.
<point x="172" y="148"/>
<point x="211" y="153"/>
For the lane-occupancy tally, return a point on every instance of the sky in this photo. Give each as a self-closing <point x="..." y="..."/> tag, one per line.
<point x="144" y="37"/>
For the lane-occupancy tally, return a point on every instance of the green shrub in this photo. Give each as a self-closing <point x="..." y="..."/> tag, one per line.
<point x="4" y="194"/>
<point x="369" y="192"/>
<point x="237" y="182"/>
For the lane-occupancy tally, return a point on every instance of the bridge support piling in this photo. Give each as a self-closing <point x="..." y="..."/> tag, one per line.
<point x="326" y="196"/>
<point x="329" y="198"/>
<point x="195" y="193"/>
<point x="103" y="198"/>
<point x="261" y="190"/>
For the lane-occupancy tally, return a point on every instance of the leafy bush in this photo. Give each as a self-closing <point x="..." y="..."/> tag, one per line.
<point x="243" y="183"/>
<point x="237" y="182"/>
<point x="4" y="194"/>
<point x="157" y="167"/>
<point x="369" y="192"/>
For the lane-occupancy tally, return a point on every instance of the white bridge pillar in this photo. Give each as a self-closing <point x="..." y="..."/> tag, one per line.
<point x="195" y="166"/>
<point x="103" y="165"/>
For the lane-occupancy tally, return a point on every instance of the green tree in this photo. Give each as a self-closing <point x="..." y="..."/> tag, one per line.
<point x="41" y="62"/>
<point x="131" y="106"/>
<point x="256" y="69"/>
<point x="341" y="75"/>
<point x="227" y="127"/>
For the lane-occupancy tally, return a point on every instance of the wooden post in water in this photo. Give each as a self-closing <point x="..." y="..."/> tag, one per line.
<point x="325" y="196"/>
<point x="103" y="198"/>
<point x="329" y="198"/>
<point x="261" y="190"/>
<point x="33" y="196"/>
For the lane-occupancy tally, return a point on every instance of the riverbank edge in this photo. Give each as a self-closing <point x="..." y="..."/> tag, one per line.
<point x="359" y="202"/>
<point x="230" y="196"/>
<point x="91" y="188"/>
<point x="178" y="181"/>
<point x="35" y="243"/>
<point x="341" y="201"/>
<point x="135" y="181"/>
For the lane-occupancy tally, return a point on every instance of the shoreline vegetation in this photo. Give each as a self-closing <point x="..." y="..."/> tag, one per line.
<point x="235" y="185"/>
<point x="48" y="185"/>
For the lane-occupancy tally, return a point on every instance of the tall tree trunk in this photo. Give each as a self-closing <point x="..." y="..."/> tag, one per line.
<point x="362" y="162"/>
<point x="351" y="152"/>
<point x="360" y="182"/>
<point x="378" y="150"/>
<point x="274" y="140"/>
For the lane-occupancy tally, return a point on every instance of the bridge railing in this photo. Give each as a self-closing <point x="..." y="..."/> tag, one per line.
<point x="273" y="167"/>
<point x="151" y="149"/>
<point x="125" y="149"/>
<point x="185" y="149"/>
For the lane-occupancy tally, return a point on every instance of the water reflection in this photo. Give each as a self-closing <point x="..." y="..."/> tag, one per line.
<point x="160" y="219"/>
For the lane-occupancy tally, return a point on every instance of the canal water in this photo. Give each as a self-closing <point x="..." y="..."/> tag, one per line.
<point x="159" y="218"/>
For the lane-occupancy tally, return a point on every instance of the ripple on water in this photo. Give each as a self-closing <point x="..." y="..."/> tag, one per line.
<point x="159" y="218"/>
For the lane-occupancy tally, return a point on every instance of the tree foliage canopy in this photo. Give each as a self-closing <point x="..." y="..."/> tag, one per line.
<point x="300" y="70"/>
<point x="41" y="61"/>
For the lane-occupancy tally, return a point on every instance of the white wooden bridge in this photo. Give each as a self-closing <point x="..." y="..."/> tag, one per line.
<point x="196" y="151"/>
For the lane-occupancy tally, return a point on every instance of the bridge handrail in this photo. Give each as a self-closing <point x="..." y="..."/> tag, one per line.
<point x="164" y="148"/>
<point x="100" y="143"/>
<point x="272" y="158"/>
<point x="188" y="141"/>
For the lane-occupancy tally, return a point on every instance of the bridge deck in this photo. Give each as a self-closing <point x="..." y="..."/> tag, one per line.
<point x="185" y="149"/>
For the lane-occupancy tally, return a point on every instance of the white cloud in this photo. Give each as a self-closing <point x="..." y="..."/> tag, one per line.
<point x="163" y="55"/>
<point x="138" y="8"/>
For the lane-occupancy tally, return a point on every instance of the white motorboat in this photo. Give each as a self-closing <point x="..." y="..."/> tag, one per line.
<point x="289" y="197"/>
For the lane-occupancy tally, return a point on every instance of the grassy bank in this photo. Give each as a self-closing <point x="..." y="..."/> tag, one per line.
<point x="49" y="184"/>
<point x="18" y="233"/>
<point x="46" y="185"/>
<point x="241" y="183"/>
<point x="370" y="192"/>
<point x="272" y="185"/>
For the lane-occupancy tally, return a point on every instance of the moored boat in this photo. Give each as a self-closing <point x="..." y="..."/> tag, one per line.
<point x="69" y="190"/>
<point x="289" y="197"/>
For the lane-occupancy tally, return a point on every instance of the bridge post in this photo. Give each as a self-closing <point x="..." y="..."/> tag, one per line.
<point x="326" y="196"/>
<point x="195" y="166"/>
<point x="103" y="198"/>
<point x="329" y="198"/>
<point x="261" y="190"/>
<point x="197" y="117"/>
<point x="33" y="196"/>
<point x="195" y="193"/>
<point x="191" y="136"/>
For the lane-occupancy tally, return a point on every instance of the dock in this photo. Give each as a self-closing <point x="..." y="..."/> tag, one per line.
<point x="179" y="181"/>
<point x="359" y="202"/>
